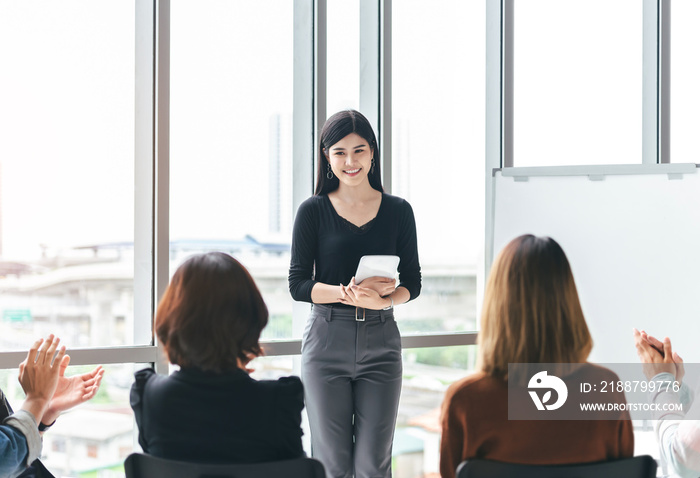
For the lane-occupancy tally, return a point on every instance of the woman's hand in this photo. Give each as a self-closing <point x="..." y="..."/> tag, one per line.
<point x="364" y="297"/>
<point x="38" y="374"/>
<point x="659" y="345"/>
<point x="382" y="285"/>
<point x="656" y="356"/>
<point x="72" y="391"/>
<point x="680" y="368"/>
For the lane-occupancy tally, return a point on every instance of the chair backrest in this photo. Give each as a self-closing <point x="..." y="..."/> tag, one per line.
<point x="642" y="466"/>
<point x="138" y="465"/>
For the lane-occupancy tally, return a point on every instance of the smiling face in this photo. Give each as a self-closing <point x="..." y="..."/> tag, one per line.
<point x="351" y="160"/>
<point x="346" y="130"/>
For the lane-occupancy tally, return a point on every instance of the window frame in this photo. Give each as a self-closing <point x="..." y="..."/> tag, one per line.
<point x="656" y="104"/>
<point x="151" y="156"/>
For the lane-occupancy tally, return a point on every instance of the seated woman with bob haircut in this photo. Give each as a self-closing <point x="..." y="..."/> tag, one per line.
<point x="531" y="315"/>
<point x="211" y="411"/>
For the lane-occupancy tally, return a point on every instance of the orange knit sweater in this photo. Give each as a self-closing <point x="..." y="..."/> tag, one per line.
<point x="475" y="425"/>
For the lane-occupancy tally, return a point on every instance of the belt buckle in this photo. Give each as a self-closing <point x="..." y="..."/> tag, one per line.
<point x="357" y="319"/>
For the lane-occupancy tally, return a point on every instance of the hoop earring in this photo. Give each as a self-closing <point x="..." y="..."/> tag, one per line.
<point x="329" y="173"/>
<point x="371" y="170"/>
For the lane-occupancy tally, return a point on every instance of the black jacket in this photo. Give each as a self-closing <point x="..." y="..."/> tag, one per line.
<point x="215" y="418"/>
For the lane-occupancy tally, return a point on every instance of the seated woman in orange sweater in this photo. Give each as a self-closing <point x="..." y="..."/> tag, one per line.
<point x="531" y="314"/>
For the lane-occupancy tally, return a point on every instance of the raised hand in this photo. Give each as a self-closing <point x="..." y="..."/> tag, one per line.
<point x="656" y="343"/>
<point x="659" y="346"/>
<point x="655" y="361"/>
<point x="39" y="374"/>
<point x="72" y="391"/>
<point x="680" y="368"/>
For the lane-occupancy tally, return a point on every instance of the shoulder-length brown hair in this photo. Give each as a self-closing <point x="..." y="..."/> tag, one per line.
<point x="211" y="314"/>
<point x="531" y="312"/>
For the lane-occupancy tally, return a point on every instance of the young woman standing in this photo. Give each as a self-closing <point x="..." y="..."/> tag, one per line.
<point x="351" y="349"/>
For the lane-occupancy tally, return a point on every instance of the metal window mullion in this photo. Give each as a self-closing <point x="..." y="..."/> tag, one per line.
<point x="665" y="82"/>
<point x="375" y="76"/>
<point x="656" y="75"/>
<point x="162" y="164"/>
<point x="507" y="81"/>
<point x="94" y="356"/>
<point x="293" y="347"/>
<point x="306" y="106"/>
<point x="144" y="152"/>
<point x="385" y="98"/>
<point x="150" y="353"/>
<point x="369" y="61"/>
<point x="320" y="66"/>
<point x="650" y="82"/>
<point x="496" y="124"/>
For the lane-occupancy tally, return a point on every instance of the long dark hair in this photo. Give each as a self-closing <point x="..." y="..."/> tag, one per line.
<point x="336" y="128"/>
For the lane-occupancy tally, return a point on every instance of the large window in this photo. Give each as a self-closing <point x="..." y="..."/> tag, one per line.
<point x="67" y="210"/>
<point x="66" y="172"/>
<point x="685" y="74"/>
<point x="95" y="438"/>
<point x="586" y="84"/>
<point x="438" y="153"/>
<point x="577" y="80"/>
<point x="231" y="140"/>
<point x="105" y="105"/>
<point x="343" y="55"/>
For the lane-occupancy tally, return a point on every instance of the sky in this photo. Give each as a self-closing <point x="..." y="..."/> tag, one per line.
<point x="67" y="119"/>
<point x="67" y="96"/>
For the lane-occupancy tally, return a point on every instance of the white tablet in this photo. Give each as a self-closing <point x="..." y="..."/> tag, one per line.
<point x="376" y="266"/>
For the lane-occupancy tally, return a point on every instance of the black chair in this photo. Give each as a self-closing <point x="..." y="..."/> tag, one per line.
<point x="642" y="466"/>
<point x="138" y="465"/>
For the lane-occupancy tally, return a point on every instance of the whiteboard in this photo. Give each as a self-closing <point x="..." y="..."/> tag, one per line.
<point x="632" y="236"/>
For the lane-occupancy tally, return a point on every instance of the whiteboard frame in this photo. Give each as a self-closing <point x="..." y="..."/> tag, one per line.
<point x="594" y="173"/>
<point x="617" y="173"/>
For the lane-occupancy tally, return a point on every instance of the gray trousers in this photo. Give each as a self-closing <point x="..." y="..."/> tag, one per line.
<point x="352" y="373"/>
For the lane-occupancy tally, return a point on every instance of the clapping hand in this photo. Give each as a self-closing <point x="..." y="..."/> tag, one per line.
<point x="72" y="391"/>
<point x="657" y="356"/>
<point x="39" y="374"/>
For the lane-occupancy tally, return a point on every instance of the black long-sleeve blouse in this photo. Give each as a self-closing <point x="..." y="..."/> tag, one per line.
<point x="327" y="248"/>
